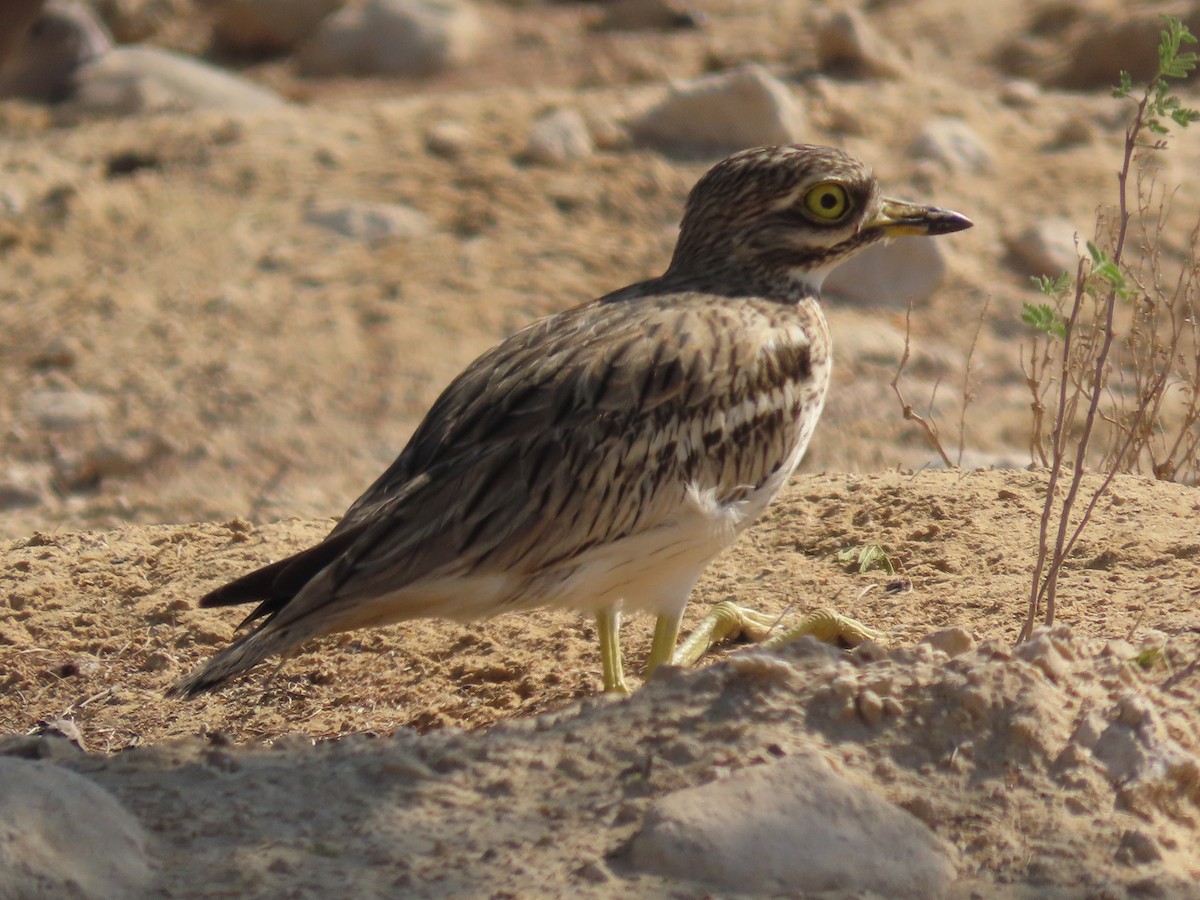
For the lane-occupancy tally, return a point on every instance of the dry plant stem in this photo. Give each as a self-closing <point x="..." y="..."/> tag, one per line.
<point x="1035" y="380"/>
<point x="911" y="415"/>
<point x="967" y="394"/>
<point x="1045" y="590"/>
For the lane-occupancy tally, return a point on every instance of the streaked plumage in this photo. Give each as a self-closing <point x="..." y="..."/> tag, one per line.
<point x="600" y="458"/>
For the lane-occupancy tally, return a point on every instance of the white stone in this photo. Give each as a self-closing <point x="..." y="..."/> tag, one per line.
<point x="559" y="137"/>
<point x="1020" y="94"/>
<point x="136" y="80"/>
<point x="448" y="139"/>
<point x="847" y="43"/>
<point x="953" y="144"/>
<point x="62" y="835"/>
<point x="62" y="409"/>
<point x="40" y="54"/>
<point x="731" y="111"/>
<point x="268" y="25"/>
<point x="792" y="827"/>
<point x="1046" y="247"/>
<point x="889" y="276"/>
<point x="394" y="37"/>
<point x="366" y="221"/>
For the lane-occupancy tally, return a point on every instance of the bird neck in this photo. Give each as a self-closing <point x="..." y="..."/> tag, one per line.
<point x="782" y="285"/>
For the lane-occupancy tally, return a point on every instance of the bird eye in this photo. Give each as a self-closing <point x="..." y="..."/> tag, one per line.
<point x="827" y="201"/>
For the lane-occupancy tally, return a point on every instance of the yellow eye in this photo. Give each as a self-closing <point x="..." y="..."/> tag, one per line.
<point x="827" y="201"/>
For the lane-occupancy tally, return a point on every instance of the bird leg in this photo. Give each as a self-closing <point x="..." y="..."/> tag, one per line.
<point x="730" y="621"/>
<point x="608" y="625"/>
<point x="662" y="650"/>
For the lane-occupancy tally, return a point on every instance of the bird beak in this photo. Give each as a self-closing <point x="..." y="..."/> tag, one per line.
<point x="898" y="217"/>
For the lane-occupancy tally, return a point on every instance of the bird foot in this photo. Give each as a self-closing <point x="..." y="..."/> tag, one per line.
<point x="729" y="621"/>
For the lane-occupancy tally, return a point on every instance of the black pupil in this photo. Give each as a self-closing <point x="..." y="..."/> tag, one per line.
<point x="828" y="200"/>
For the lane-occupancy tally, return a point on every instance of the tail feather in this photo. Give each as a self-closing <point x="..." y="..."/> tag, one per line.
<point x="244" y="653"/>
<point x="273" y="587"/>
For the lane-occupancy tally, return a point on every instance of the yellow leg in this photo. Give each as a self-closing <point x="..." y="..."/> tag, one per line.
<point x="729" y="621"/>
<point x="666" y="633"/>
<point x="608" y="624"/>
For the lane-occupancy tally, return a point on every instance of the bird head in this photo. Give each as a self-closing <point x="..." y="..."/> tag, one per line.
<point x="779" y="219"/>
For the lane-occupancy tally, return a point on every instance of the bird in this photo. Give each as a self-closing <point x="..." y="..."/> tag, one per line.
<point x="600" y="458"/>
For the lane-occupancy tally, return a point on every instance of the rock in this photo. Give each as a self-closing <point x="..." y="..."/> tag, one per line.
<point x="62" y="409"/>
<point x="1075" y="131"/>
<point x="23" y="486"/>
<point x="889" y="275"/>
<point x="13" y="201"/>
<point x="848" y="45"/>
<point x="558" y="137"/>
<point x="1045" y="247"/>
<point x="647" y="15"/>
<point x="366" y="221"/>
<point x="731" y="111"/>
<point x="951" y="641"/>
<point x="1020" y="93"/>
<point x="448" y="139"/>
<point x="394" y="37"/>
<point x="61" y="352"/>
<point x="138" y="80"/>
<point x="953" y="144"/>
<point x="1095" y="57"/>
<point x="793" y="827"/>
<point x="268" y="26"/>
<point x="40" y="62"/>
<point x="61" y="835"/>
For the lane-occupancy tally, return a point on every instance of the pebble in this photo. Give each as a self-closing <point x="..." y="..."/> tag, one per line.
<point x="64" y="409"/>
<point x="870" y="707"/>
<point x="394" y="37"/>
<point x="795" y="827"/>
<point x="559" y="137"/>
<point x="448" y="139"/>
<point x="745" y="108"/>
<point x="1045" y="247"/>
<point x="889" y="276"/>
<point x="368" y="222"/>
<point x="953" y="144"/>
<point x="1020" y="93"/>
<point x="847" y="44"/>
<point x="951" y="641"/>
<point x="1137" y="847"/>
<point x="270" y="26"/>
<point x="62" y="835"/>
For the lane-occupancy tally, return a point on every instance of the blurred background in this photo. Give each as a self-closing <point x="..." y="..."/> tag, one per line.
<point x="245" y="243"/>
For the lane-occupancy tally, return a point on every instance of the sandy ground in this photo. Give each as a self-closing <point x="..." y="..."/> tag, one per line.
<point x="245" y="370"/>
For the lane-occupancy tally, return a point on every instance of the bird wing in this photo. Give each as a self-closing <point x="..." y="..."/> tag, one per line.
<point x="577" y="431"/>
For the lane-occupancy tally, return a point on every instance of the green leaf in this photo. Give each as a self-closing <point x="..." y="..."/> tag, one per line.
<point x="1184" y="116"/>
<point x="1042" y="318"/>
<point x="1053" y="287"/>
<point x="866" y="557"/>
<point x="1123" y="89"/>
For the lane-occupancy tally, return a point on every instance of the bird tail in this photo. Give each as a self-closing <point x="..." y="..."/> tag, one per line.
<point x="243" y="654"/>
